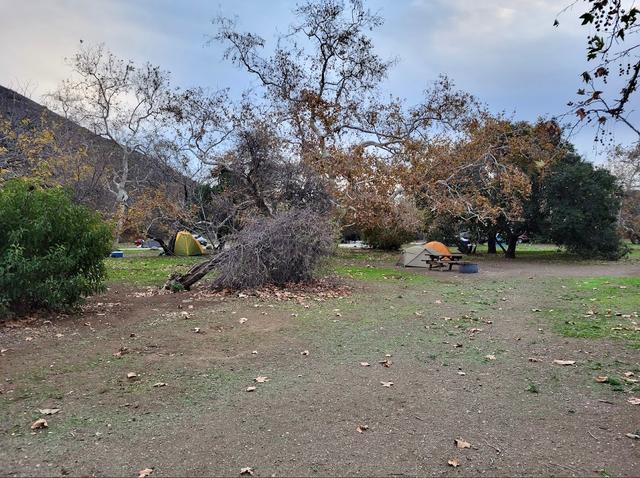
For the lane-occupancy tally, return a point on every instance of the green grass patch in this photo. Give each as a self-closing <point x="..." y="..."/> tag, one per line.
<point x="603" y="307"/>
<point x="381" y="274"/>
<point x="145" y="270"/>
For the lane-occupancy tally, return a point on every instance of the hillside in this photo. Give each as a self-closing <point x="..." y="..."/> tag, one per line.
<point x="93" y="159"/>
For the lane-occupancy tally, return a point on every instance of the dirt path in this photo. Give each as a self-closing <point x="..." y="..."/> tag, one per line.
<point x="521" y="417"/>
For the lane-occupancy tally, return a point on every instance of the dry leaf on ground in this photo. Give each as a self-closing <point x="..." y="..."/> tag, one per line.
<point x="461" y="443"/>
<point x="132" y="375"/>
<point x="145" y="472"/>
<point x="634" y="400"/>
<point x="601" y="379"/>
<point x="635" y="436"/>
<point x="564" y="362"/>
<point x="39" y="423"/>
<point x="159" y="384"/>
<point x="48" y="411"/>
<point x="454" y="462"/>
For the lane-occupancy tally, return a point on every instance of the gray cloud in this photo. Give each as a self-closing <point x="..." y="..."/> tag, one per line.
<point x="504" y="51"/>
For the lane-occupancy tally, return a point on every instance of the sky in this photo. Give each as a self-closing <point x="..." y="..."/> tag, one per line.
<point x="505" y="52"/>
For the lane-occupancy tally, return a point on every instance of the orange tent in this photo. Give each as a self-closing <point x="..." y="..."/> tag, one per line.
<point x="437" y="247"/>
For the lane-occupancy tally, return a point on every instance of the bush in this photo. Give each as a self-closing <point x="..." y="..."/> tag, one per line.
<point x="287" y="248"/>
<point x="581" y="205"/>
<point x="51" y="250"/>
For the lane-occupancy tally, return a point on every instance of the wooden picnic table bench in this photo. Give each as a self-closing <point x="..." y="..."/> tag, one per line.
<point x="440" y="260"/>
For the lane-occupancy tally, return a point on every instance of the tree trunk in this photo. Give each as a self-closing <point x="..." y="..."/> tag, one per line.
<point x="193" y="275"/>
<point x="512" y="242"/>
<point x="121" y="215"/>
<point x="491" y="244"/>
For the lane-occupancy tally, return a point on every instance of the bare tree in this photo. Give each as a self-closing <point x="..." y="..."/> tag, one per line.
<point x="614" y="48"/>
<point x="119" y="101"/>
<point x="323" y="83"/>
<point x="624" y="163"/>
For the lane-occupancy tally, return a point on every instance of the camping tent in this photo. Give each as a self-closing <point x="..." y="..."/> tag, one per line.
<point x="151" y="244"/>
<point x="437" y="247"/>
<point x="186" y="245"/>
<point x="414" y="256"/>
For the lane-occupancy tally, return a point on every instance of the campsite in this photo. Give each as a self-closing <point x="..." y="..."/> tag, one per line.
<point x="470" y="356"/>
<point x="320" y="238"/>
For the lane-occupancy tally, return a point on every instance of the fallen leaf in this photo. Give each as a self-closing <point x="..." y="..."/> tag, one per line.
<point x="362" y="428"/>
<point x="634" y="400"/>
<point x="48" y="411"/>
<point x="365" y="364"/>
<point x="145" y="472"/>
<point x="243" y="320"/>
<point x="304" y="352"/>
<point x="261" y="379"/>
<point x="247" y="470"/>
<point x="601" y="379"/>
<point x="490" y="357"/>
<point x="160" y="384"/>
<point x="453" y="462"/>
<point x="39" y="423"/>
<point x="460" y="443"/>
<point x="388" y="384"/>
<point x="564" y="362"/>
<point x="635" y="436"/>
<point x="132" y="375"/>
<point x="250" y="389"/>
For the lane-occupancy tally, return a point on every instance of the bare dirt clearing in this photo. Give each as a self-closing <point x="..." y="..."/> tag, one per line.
<point x="469" y="357"/>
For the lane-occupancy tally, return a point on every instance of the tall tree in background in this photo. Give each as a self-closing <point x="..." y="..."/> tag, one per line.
<point x="613" y="50"/>
<point x="119" y="101"/>
<point x="625" y="164"/>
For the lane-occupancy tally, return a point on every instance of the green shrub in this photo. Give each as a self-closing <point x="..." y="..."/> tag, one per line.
<point x="51" y="250"/>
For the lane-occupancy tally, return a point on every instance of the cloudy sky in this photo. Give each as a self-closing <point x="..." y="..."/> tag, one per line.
<point x="506" y="52"/>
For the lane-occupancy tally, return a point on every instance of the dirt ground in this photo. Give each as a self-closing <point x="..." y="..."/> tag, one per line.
<point x="469" y="357"/>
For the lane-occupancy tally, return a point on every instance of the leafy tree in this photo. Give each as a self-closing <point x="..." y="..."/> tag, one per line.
<point x="581" y="204"/>
<point x="51" y="250"/>
<point x="486" y="177"/>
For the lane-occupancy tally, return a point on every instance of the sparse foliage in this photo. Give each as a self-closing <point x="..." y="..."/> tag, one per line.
<point x="613" y="48"/>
